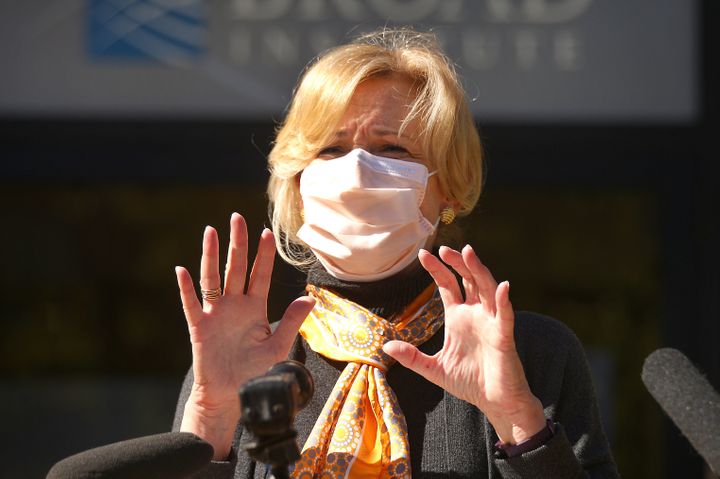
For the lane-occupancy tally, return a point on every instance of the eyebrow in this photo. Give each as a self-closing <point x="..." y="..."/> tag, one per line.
<point x="375" y="130"/>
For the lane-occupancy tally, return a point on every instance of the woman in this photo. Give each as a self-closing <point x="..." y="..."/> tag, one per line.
<point x="377" y="153"/>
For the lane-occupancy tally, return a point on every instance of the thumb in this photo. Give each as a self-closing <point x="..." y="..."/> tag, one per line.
<point x="413" y="359"/>
<point x="505" y="315"/>
<point x="294" y="316"/>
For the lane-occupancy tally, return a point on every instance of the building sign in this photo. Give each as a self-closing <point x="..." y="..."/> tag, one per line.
<point x="521" y="60"/>
<point x="169" y="31"/>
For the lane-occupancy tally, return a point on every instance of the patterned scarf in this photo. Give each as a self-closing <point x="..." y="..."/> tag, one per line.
<point x="361" y="432"/>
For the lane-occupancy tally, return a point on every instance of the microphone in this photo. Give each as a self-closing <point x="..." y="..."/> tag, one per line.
<point x="688" y="398"/>
<point x="269" y="405"/>
<point x="171" y="455"/>
<point x="271" y="401"/>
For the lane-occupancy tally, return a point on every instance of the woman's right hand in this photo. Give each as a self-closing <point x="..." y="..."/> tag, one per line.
<point x="230" y="336"/>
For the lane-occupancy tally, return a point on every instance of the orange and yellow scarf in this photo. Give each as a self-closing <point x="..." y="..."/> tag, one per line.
<point x="361" y="432"/>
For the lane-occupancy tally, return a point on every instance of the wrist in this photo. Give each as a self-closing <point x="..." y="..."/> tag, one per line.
<point x="521" y="423"/>
<point x="213" y="421"/>
<point x="539" y="439"/>
<point x="213" y="404"/>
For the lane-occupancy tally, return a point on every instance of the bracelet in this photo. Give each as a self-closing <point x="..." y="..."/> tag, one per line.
<point x="536" y="440"/>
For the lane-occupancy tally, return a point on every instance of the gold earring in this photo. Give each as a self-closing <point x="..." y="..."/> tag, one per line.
<point x="447" y="215"/>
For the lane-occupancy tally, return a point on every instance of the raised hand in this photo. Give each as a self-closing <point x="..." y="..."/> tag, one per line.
<point x="478" y="362"/>
<point x="229" y="331"/>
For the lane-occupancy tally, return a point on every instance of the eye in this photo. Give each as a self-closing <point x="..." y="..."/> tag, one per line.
<point x="330" y="152"/>
<point x="395" y="151"/>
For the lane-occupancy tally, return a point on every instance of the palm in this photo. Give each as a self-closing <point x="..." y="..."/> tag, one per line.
<point x="222" y="341"/>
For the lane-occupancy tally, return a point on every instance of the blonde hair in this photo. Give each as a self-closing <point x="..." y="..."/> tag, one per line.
<point x="448" y="134"/>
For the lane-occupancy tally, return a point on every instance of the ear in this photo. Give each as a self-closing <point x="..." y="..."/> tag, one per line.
<point x="452" y="203"/>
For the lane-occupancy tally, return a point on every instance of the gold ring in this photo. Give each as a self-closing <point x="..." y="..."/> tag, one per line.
<point x="210" y="294"/>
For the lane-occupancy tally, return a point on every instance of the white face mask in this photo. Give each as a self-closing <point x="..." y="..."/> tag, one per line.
<point x="362" y="214"/>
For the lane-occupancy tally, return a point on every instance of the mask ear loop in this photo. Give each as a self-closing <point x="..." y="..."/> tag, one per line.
<point x="437" y="221"/>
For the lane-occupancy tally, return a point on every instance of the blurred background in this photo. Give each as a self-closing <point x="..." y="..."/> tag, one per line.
<point x="126" y="126"/>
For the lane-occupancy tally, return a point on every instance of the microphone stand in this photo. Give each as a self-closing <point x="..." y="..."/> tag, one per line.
<point x="269" y="404"/>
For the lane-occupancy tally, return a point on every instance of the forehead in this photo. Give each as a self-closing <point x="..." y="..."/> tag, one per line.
<point x="380" y="101"/>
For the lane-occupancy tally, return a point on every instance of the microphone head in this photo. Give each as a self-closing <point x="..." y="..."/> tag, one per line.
<point x="171" y="455"/>
<point x="301" y="375"/>
<point x="688" y="398"/>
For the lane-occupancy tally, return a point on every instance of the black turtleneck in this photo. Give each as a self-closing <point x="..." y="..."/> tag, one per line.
<point x="386" y="297"/>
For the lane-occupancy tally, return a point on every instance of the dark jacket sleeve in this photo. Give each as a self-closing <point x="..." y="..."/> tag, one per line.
<point x="558" y="374"/>
<point x="216" y="469"/>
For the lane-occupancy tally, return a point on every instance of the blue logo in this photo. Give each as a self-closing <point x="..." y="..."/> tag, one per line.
<point x="166" y="31"/>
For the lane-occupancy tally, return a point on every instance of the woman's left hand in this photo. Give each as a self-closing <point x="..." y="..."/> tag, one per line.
<point x="478" y="362"/>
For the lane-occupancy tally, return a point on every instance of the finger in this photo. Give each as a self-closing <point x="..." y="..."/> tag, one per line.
<point x="413" y="359"/>
<point x="447" y="284"/>
<point x="455" y="259"/>
<point x="261" y="273"/>
<point x="236" y="267"/>
<point x="486" y="284"/>
<point x="209" y="270"/>
<point x="505" y="314"/>
<point x="188" y="297"/>
<point x="294" y="316"/>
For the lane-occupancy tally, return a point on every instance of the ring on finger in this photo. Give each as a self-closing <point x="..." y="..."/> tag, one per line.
<point x="211" y="294"/>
